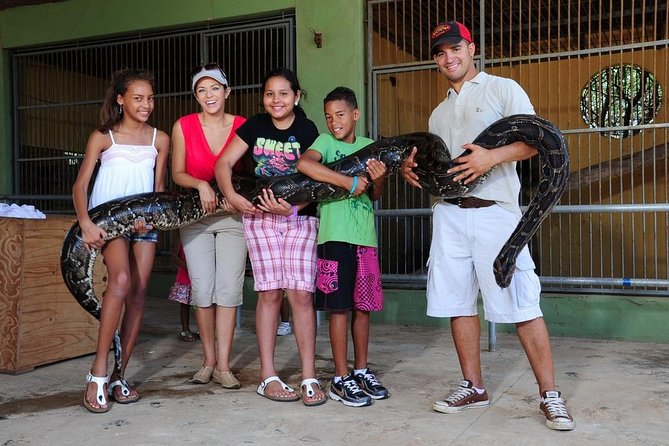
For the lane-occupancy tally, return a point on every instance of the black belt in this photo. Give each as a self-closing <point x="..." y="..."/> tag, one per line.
<point x="469" y="202"/>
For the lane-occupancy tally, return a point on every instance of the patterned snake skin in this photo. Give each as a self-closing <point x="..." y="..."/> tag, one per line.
<point x="172" y="210"/>
<point x="554" y="169"/>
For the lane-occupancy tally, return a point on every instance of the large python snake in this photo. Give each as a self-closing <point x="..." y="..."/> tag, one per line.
<point x="172" y="210"/>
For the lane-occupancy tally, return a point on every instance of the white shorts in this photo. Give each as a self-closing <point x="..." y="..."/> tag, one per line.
<point x="215" y="252"/>
<point x="465" y="243"/>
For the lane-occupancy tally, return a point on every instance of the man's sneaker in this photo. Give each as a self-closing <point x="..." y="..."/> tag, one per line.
<point x="370" y="385"/>
<point x="348" y="392"/>
<point x="555" y="411"/>
<point x="283" y="329"/>
<point x="464" y="397"/>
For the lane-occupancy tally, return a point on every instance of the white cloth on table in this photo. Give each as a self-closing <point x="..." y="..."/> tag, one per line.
<point x="24" y="211"/>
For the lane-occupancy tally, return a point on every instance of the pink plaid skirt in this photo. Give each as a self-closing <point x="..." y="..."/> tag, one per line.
<point x="282" y="251"/>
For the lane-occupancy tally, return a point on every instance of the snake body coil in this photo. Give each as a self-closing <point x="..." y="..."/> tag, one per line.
<point x="172" y="210"/>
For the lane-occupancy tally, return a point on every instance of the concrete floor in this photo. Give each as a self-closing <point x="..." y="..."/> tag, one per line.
<point x="618" y="393"/>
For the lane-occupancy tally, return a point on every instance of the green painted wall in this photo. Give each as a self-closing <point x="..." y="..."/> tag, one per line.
<point x="607" y="317"/>
<point x="84" y="19"/>
<point x="341" y="60"/>
<point x="593" y="316"/>
<point x="6" y="147"/>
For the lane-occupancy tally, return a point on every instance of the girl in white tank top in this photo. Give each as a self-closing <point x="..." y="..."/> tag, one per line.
<point x="135" y="164"/>
<point x="125" y="169"/>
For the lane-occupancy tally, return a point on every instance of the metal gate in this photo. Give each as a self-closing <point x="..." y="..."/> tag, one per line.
<point x="599" y="71"/>
<point x="58" y="92"/>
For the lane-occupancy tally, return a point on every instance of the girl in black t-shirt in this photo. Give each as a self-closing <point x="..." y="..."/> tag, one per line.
<point x="281" y="238"/>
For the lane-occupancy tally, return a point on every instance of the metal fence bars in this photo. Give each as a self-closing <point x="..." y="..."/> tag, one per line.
<point x="598" y="70"/>
<point x="58" y="92"/>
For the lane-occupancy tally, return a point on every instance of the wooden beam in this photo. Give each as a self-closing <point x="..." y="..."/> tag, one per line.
<point x="610" y="169"/>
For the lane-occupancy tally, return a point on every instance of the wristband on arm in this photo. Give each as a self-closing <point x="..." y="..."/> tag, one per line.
<point x="355" y="184"/>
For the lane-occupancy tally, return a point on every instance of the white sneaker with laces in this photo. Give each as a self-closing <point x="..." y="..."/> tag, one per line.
<point x="284" y="329"/>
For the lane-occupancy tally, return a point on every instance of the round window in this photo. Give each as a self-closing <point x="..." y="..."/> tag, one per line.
<point x="620" y="96"/>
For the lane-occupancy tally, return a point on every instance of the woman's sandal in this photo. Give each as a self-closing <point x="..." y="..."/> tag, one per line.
<point x="100" y="397"/>
<point x="263" y="386"/>
<point x="308" y="392"/>
<point x="125" y="392"/>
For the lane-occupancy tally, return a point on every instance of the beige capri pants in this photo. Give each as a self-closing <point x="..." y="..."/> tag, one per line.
<point x="216" y="257"/>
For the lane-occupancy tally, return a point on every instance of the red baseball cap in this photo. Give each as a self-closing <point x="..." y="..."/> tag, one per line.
<point x="449" y="33"/>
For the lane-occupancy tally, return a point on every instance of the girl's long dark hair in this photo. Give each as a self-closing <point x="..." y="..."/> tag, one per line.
<point x="111" y="112"/>
<point x="291" y="77"/>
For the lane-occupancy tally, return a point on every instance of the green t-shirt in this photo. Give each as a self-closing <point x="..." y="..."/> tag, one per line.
<point x="350" y="220"/>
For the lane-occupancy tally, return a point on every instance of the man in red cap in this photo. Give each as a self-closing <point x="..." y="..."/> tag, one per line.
<point x="469" y="232"/>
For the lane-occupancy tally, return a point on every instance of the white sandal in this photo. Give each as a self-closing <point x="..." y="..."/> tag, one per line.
<point x="100" y="396"/>
<point x="263" y="385"/>
<point x="308" y="391"/>
<point x="125" y="392"/>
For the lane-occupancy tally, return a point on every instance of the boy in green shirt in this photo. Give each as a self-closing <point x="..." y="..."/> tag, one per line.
<point x="348" y="278"/>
